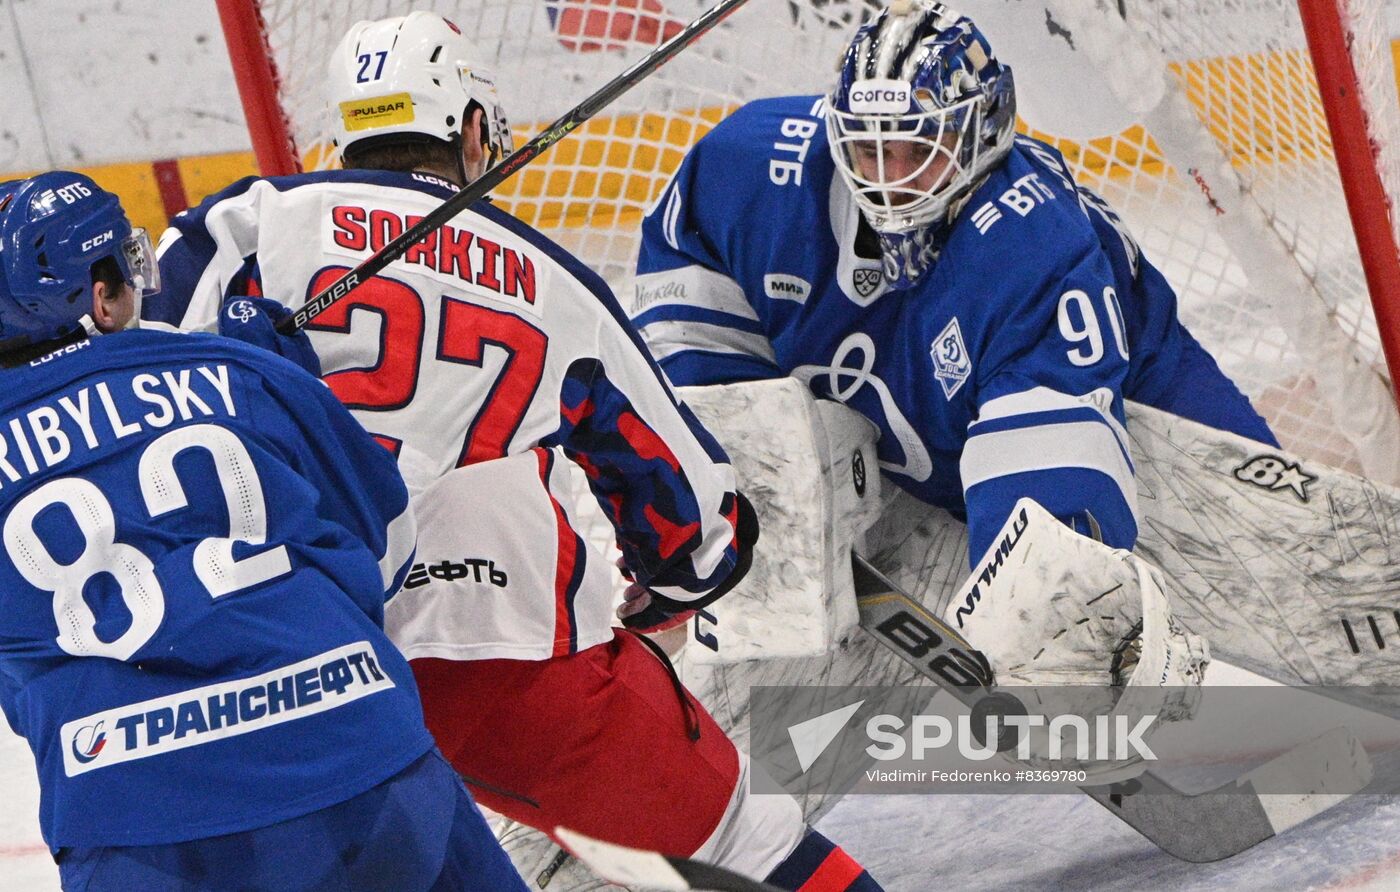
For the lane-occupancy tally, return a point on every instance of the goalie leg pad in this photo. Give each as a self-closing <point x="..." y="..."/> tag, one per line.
<point x="810" y="469"/>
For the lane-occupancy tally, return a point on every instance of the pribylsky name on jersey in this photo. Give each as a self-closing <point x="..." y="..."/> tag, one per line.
<point x="46" y="435"/>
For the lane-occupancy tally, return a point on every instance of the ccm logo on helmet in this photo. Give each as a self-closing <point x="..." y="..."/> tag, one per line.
<point x="880" y="96"/>
<point x="96" y="240"/>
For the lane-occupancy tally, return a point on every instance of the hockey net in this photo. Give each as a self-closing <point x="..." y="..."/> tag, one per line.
<point x="1199" y="121"/>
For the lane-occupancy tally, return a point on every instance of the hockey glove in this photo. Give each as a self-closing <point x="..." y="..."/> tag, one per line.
<point x="253" y="320"/>
<point x="645" y="611"/>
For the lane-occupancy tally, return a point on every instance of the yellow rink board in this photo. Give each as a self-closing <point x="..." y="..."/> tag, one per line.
<point x="602" y="174"/>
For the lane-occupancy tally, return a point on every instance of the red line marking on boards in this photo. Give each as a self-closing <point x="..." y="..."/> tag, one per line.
<point x="172" y="187"/>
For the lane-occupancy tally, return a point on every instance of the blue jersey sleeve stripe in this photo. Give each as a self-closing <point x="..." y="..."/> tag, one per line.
<point x="1091" y="445"/>
<point x="1044" y="419"/>
<point x="696" y="368"/>
<point x="683" y="313"/>
<point x="691" y="285"/>
<point x="1047" y="400"/>
<point x="667" y="338"/>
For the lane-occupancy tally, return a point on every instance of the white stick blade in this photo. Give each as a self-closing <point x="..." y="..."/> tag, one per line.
<point x="1326" y="770"/>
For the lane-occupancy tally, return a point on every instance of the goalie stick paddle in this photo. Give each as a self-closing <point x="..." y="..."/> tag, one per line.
<point x="1199" y="827"/>
<point x="653" y="870"/>
<point x="478" y="188"/>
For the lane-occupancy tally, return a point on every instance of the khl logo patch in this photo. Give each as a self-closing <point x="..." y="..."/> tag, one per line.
<point x="951" y="364"/>
<point x="866" y="279"/>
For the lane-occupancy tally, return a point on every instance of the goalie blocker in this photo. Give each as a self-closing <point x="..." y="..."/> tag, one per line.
<point x="1087" y="628"/>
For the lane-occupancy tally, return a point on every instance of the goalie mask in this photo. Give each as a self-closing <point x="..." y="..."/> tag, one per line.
<point x="410" y="78"/>
<point x="53" y="228"/>
<point x="922" y="112"/>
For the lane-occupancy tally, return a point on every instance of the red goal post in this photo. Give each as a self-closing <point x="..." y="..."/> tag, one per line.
<point x="1330" y="29"/>
<point x="259" y="88"/>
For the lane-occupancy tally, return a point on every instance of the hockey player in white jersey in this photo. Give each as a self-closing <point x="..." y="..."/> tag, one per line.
<point x="899" y="248"/>
<point x="479" y="359"/>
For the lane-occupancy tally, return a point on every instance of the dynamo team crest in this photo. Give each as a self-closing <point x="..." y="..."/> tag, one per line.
<point x="951" y="364"/>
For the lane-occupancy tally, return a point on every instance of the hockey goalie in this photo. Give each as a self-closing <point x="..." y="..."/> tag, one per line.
<point x="971" y="302"/>
<point x="1005" y="339"/>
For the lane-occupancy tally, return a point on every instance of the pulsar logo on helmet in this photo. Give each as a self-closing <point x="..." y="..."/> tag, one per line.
<point x="379" y="111"/>
<point x="96" y="240"/>
<point x="242" y="310"/>
<point x="880" y="96"/>
<point x="479" y="77"/>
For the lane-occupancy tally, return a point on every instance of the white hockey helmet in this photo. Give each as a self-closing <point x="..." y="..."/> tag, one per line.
<point x="410" y="77"/>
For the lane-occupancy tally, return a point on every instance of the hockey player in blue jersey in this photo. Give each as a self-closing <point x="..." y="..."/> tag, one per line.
<point x="898" y="247"/>
<point x="198" y="545"/>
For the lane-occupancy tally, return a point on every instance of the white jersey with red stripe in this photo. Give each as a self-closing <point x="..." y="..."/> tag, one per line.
<point x="483" y="342"/>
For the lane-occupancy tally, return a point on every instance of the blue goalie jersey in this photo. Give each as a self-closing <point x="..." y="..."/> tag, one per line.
<point x="1000" y="374"/>
<point x="198" y="544"/>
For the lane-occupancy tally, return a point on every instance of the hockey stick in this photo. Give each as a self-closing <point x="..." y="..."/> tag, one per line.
<point x="653" y="870"/>
<point x="1200" y="827"/>
<point x="522" y="156"/>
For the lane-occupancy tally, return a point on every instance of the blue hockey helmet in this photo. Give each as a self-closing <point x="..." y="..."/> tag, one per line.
<point x="921" y="113"/>
<point x="53" y="228"/>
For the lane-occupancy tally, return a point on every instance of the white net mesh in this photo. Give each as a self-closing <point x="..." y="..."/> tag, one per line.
<point x="1219" y="158"/>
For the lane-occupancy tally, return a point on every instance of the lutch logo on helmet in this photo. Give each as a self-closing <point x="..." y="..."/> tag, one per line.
<point x="880" y="96"/>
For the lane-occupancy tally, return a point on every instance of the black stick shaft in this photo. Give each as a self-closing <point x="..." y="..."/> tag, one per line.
<point x="522" y="156"/>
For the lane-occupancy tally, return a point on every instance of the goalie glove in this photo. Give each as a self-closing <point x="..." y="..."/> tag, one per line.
<point x="253" y="320"/>
<point x="1090" y="627"/>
